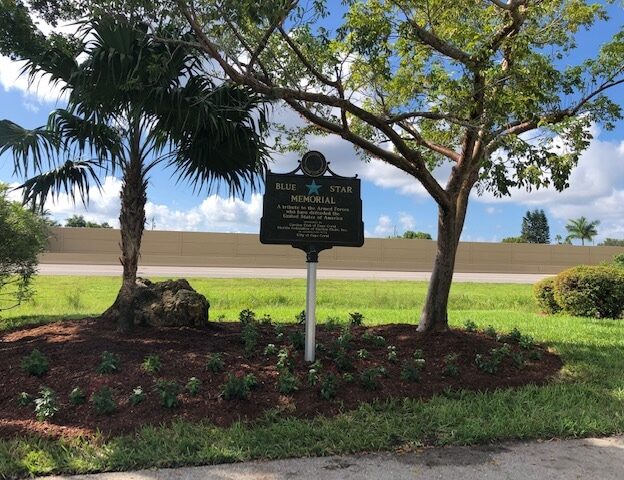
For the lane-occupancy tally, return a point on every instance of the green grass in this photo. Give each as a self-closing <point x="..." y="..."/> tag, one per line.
<point x="588" y="399"/>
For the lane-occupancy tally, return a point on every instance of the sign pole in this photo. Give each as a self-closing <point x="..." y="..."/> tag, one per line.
<point x="310" y="318"/>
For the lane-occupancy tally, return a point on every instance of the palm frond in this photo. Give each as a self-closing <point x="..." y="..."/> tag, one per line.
<point x="71" y="178"/>
<point x="29" y="147"/>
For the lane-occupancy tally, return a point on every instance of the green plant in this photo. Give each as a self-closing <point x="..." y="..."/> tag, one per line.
<point x="329" y="386"/>
<point x="314" y="373"/>
<point x="103" y="401"/>
<point x="285" y="360"/>
<point x="410" y="371"/>
<point x="168" y="391"/>
<point x="526" y="342"/>
<point x="266" y="319"/>
<point x="345" y="339"/>
<point x="300" y="318"/>
<point x="515" y="335"/>
<point x="517" y="359"/>
<point x="270" y="349"/>
<point x="251" y="380"/>
<point x="249" y="336"/>
<point x="77" y="396"/>
<point x="591" y="291"/>
<point x="618" y="260"/>
<point x="470" y="326"/>
<point x="356" y="319"/>
<point x="332" y="323"/>
<point x="418" y="354"/>
<point x="236" y="387"/>
<point x="46" y="404"/>
<point x="369" y="378"/>
<point x="392" y="354"/>
<point x="487" y="364"/>
<point x="215" y="363"/>
<point x="376" y="340"/>
<point x="362" y="354"/>
<point x="535" y="355"/>
<point x="109" y="363"/>
<point x="193" y="385"/>
<point x="151" y="364"/>
<point x="247" y="316"/>
<point x="35" y="363"/>
<point x="451" y="366"/>
<point x="297" y="338"/>
<point x="490" y="331"/>
<point x="287" y="382"/>
<point x="24" y="399"/>
<point x="544" y="294"/>
<point x="137" y="395"/>
<point x="343" y="360"/>
<point x="347" y="377"/>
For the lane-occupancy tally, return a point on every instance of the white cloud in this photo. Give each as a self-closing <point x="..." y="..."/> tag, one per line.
<point x="493" y="210"/>
<point x="406" y="221"/>
<point x="384" y="227"/>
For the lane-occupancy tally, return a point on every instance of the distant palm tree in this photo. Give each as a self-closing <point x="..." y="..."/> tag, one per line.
<point x="134" y="103"/>
<point x="582" y="229"/>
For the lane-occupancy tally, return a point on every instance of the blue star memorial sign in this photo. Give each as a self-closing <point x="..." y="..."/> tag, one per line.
<point x="313" y="188"/>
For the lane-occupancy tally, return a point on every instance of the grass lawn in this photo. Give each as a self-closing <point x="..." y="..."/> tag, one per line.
<point x="588" y="399"/>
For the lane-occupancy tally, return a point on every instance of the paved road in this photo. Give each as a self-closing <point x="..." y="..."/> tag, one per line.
<point x="601" y="459"/>
<point x="231" y="272"/>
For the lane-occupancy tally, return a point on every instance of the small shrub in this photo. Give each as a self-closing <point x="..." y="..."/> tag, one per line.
<point x="151" y="364"/>
<point x="517" y="359"/>
<point x="46" y="404"/>
<point x="418" y="354"/>
<point x="410" y="371"/>
<point x="470" y="326"/>
<point x="270" y="349"/>
<point x="300" y="318"/>
<point x="249" y="336"/>
<point x="535" y="355"/>
<point x="329" y="386"/>
<point x="35" y="363"/>
<point x="109" y="363"/>
<point x="332" y="323"/>
<point x="347" y="377"/>
<point x="193" y="386"/>
<point x="490" y="331"/>
<point x="356" y="319"/>
<point x="279" y="332"/>
<point x="24" y="399"/>
<point x="251" y="380"/>
<point x="362" y="354"/>
<point x="515" y="335"/>
<point x="591" y="291"/>
<point x="376" y="340"/>
<point x="343" y="360"/>
<point x="618" y="260"/>
<point x="137" y="396"/>
<point x="314" y="373"/>
<point x="168" y="391"/>
<point x="451" y="367"/>
<point x="526" y="342"/>
<point x="297" y="338"/>
<point x="77" y="396"/>
<point x="247" y="316"/>
<point x="235" y="387"/>
<point x="266" y="319"/>
<point x="392" y="354"/>
<point x="285" y="360"/>
<point x="345" y="338"/>
<point x="287" y="382"/>
<point x="103" y="401"/>
<point x="369" y="378"/>
<point x="544" y="293"/>
<point x="215" y="363"/>
<point x="487" y="364"/>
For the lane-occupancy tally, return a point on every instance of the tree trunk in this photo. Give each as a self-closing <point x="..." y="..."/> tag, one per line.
<point x="434" y="316"/>
<point x="132" y="224"/>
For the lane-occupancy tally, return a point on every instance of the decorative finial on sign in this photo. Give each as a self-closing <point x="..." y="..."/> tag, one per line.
<point x="314" y="164"/>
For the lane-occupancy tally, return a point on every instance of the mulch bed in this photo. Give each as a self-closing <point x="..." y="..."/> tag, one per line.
<point x="74" y="350"/>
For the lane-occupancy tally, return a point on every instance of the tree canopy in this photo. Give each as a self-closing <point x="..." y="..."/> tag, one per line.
<point x="535" y="227"/>
<point x="582" y="229"/>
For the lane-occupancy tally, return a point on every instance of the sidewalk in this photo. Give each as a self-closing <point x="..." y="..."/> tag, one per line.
<point x="600" y="459"/>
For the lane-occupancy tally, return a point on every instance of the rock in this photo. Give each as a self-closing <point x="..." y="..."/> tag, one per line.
<point x="172" y="303"/>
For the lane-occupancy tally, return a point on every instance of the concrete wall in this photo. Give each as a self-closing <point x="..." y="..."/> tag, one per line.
<point x="101" y="246"/>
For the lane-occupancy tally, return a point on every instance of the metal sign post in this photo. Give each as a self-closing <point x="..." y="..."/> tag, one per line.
<point x="310" y="317"/>
<point x="312" y="212"/>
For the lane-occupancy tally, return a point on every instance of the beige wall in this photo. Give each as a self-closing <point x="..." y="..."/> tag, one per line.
<point x="101" y="246"/>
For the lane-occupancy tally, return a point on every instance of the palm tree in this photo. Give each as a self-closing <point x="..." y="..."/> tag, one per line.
<point x="135" y="103"/>
<point x="582" y="229"/>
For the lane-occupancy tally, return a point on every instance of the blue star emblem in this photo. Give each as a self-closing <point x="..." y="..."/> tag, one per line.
<point x="313" y="188"/>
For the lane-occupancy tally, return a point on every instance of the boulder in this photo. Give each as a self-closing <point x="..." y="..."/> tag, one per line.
<point x="172" y="303"/>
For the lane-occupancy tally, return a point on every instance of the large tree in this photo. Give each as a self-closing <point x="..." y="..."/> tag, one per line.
<point x="535" y="227"/>
<point x="133" y="103"/>
<point x="484" y="85"/>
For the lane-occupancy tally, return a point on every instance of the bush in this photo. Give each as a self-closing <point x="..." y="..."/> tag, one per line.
<point x="77" y="396"/>
<point x="544" y="293"/>
<point x="618" y="260"/>
<point x="151" y="364"/>
<point x="238" y="386"/>
<point x="46" y="404"/>
<point x="168" y="391"/>
<point x="591" y="291"/>
<point x="137" y="395"/>
<point x="109" y="363"/>
<point x="103" y="401"/>
<point x="215" y="363"/>
<point x="35" y="363"/>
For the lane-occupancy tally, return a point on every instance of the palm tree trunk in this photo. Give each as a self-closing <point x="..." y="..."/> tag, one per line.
<point x="132" y="224"/>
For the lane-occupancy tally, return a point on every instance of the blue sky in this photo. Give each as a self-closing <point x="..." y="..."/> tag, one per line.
<point x="392" y="201"/>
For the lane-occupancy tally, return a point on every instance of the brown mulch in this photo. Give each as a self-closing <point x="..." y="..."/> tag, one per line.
<point x="74" y="350"/>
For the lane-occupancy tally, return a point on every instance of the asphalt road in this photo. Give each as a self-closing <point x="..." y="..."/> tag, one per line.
<point x="231" y="272"/>
<point x="600" y="459"/>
